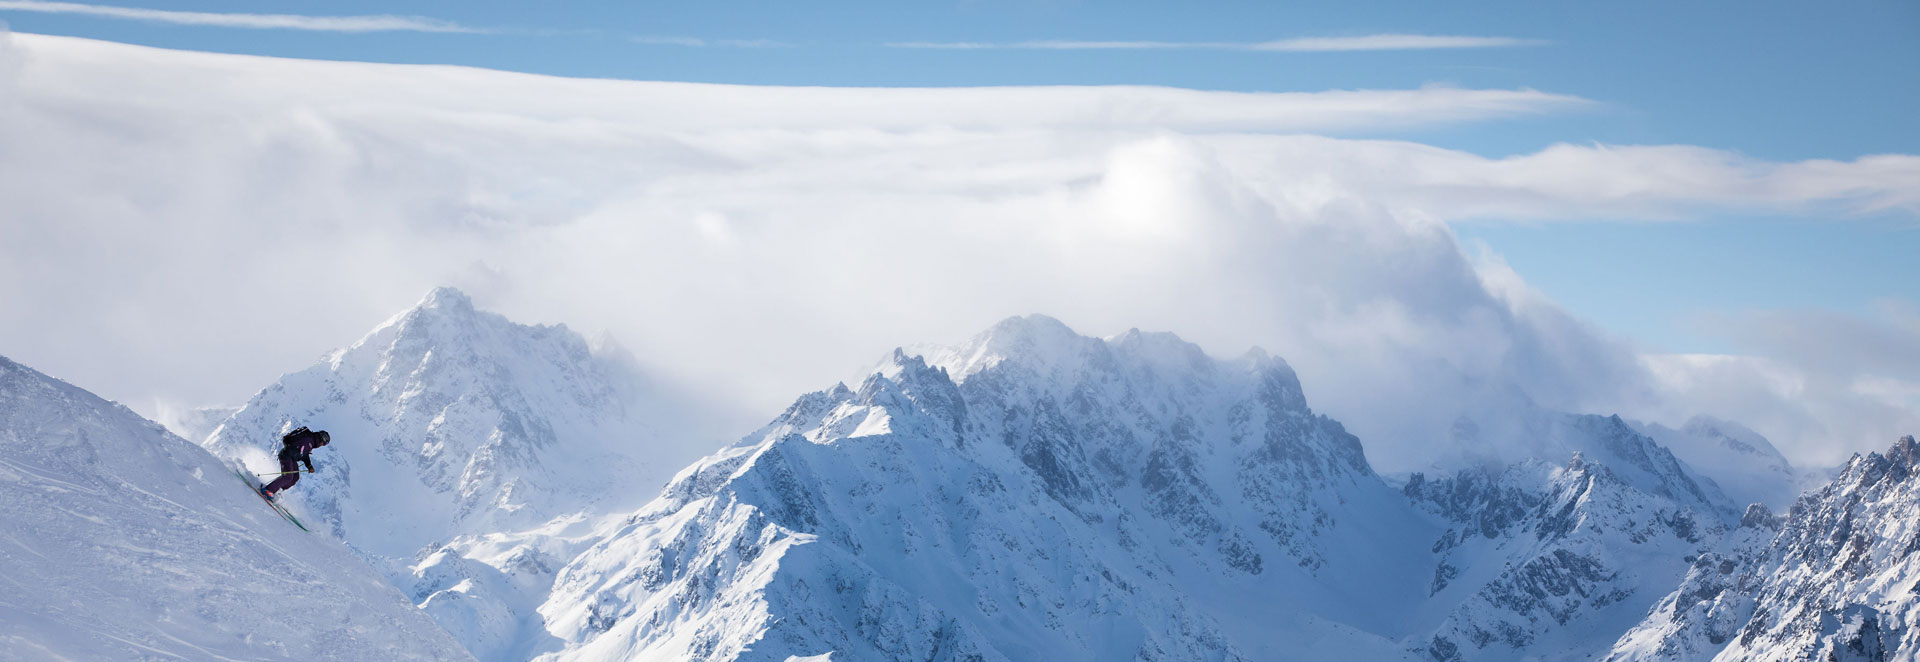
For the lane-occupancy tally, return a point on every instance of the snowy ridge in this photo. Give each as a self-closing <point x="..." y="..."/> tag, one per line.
<point x="1632" y="456"/>
<point x="1550" y="562"/>
<point x="121" y="541"/>
<point x="1838" y="581"/>
<point x="1213" y="516"/>
<point x="471" y="456"/>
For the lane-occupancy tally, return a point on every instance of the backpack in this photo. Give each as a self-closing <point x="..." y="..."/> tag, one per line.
<point x="293" y="438"/>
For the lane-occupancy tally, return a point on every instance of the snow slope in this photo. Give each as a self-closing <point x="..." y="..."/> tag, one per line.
<point x="470" y="456"/>
<point x="121" y="541"/>
<point x="1836" y="578"/>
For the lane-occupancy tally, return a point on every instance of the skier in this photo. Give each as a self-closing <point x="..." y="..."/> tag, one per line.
<point x="296" y="448"/>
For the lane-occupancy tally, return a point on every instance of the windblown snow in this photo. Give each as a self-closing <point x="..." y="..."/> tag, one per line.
<point x="121" y="541"/>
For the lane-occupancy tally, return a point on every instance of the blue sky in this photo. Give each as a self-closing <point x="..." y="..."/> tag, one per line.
<point x="1773" y="80"/>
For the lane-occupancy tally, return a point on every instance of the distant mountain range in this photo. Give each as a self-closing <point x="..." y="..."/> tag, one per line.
<point x="1029" y="494"/>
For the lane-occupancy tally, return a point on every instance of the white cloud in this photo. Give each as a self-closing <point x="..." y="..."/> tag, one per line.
<point x="1599" y="182"/>
<point x="369" y="23"/>
<point x="428" y="94"/>
<point x="1823" y="377"/>
<point x="1820" y="412"/>
<point x="1375" y="42"/>
<point x="187" y="226"/>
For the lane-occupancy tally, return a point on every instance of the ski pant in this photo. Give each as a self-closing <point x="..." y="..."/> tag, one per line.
<point x="292" y="468"/>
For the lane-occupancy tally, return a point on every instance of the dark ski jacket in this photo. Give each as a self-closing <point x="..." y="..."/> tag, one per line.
<point x="300" y="449"/>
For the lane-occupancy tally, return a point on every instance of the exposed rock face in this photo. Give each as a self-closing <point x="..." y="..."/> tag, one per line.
<point x="1542" y="560"/>
<point x="1833" y="579"/>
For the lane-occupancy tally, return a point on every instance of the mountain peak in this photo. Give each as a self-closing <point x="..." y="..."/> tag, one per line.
<point x="1758" y="515"/>
<point x="1899" y="462"/>
<point x="1733" y="436"/>
<point x="1026" y="335"/>
<point x="1905" y="451"/>
<point x="1160" y="346"/>
<point x="1034" y="339"/>
<point x="442" y="313"/>
<point x="1030" y="323"/>
<point x="446" y="298"/>
<point x="495" y="423"/>
<point x="1578" y="462"/>
<point x="1902" y="460"/>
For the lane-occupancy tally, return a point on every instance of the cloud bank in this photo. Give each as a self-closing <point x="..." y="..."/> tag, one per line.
<point x="183" y="227"/>
<point x="373" y="23"/>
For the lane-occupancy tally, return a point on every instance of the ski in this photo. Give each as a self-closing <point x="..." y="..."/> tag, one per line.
<point x="255" y="488"/>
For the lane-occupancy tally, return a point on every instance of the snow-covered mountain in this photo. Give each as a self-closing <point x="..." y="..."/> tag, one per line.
<point x="1739" y="460"/>
<point x="1036" y="494"/>
<point x="121" y="541"/>
<point x="449" y="420"/>
<point x="1835" y="578"/>
<point x="469" y="455"/>
<point x="1551" y="562"/>
<point x="1529" y="433"/>
<point x="1030" y="493"/>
